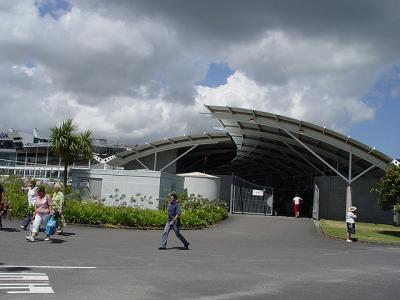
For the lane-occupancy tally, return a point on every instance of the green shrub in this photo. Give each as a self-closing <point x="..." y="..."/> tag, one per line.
<point x="193" y="215"/>
<point x="196" y="211"/>
<point x="388" y="189"/>
<point x="13" y="193"/>
<point x="95" y="213"/>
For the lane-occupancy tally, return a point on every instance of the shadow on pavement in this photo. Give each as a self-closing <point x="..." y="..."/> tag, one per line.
<point x="66" y="234"/>
<point x="57" y="241"/>
<point x="177" y="248"/>
<point x="10" y="229"/>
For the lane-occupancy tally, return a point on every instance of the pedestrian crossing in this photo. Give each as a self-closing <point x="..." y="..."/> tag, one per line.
<point x="25" y="283"/>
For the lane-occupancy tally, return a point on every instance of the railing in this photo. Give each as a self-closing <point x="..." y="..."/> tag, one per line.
<point x="28" y="169"/>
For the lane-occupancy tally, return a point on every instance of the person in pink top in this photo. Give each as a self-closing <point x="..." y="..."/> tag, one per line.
<point x="42" y="212"/>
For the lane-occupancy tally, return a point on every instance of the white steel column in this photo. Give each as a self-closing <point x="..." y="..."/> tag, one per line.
<point x="348" y="198"/>
<point x="155" y="161"/>
<point x="26" y="158"/>
<point x="34" y="170"/>
<point x="47" y="161"/>
<point x="348" y="190"/>
<point x="16" y="162"/>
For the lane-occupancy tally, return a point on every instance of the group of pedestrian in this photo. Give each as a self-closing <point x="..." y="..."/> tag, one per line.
<point x="41" y="208"/>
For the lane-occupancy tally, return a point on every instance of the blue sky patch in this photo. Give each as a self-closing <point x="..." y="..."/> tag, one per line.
<point x="54" y="8"/>
<point x="217" y="75"/>
<point x="387" y="87"/>
<point x="385" y="97"/>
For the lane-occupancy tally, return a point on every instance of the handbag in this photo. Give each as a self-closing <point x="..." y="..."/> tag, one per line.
<point x="51" y="226"/>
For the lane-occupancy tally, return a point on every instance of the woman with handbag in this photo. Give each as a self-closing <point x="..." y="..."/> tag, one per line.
<point x="42" y="212"/>
<point x="58" y="203"/>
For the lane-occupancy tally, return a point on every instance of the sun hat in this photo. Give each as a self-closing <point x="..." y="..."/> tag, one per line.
<point x="352" y="208"/>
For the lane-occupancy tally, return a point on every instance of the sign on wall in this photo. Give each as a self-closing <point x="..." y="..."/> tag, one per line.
<point x="258" y="193"/>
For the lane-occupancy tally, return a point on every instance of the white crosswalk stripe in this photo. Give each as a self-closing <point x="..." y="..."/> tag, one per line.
<point x="25" y="283"/>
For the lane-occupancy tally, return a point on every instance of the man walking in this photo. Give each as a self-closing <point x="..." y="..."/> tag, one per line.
<point x="174" y="223"/>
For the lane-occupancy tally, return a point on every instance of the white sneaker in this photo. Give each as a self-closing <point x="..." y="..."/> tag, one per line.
<point x="349" y="241"/>
<point x="47" y="238"/>
<point x="30" y="238"/>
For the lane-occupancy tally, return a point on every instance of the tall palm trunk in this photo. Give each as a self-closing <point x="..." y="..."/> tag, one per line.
<point x="65" y="174"/>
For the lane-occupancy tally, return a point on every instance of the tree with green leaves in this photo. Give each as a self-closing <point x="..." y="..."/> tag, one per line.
<point x="69" y="145"/>
<point x="388" y="189"/>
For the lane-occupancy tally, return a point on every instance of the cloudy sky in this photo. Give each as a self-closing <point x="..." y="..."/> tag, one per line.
<point x="137" y="71"/>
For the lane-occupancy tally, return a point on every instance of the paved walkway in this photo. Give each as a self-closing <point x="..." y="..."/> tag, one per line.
<point x="246" y="257"/>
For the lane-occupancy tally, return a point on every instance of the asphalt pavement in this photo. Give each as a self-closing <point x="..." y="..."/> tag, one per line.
<point x="246" y="257"/>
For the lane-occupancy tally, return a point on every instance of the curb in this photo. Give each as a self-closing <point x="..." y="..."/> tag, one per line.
<point x="110" y="226"/>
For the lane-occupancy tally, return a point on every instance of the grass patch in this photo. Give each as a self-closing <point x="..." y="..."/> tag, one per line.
<point x="366" y="232"/>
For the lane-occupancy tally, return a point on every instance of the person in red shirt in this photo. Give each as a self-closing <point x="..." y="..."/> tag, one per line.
<point x="296" y="202"/>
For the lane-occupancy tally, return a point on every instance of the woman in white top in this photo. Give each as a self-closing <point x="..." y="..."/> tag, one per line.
<point x="351" y="223"/>
<point x="31" y="191"/>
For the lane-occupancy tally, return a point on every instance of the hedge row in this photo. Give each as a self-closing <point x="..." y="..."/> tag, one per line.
<point x="93" y="213"/>
<point x="197" y="212"/>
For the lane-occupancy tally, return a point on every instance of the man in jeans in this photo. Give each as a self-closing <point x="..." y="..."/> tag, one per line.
<point x="174" y="223"/>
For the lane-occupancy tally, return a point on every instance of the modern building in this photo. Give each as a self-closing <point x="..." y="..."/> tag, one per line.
<point x="36" y="159"/>
<point x="256" y="162"/>
<point x="264" y="159"/>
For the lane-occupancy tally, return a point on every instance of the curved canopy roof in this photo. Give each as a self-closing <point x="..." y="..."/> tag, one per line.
<point x="206" y="143"/>
<point x="257" y="143"/>
<point x="287" y="146"/>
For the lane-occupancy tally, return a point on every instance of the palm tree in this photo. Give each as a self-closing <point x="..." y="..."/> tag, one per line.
<point x="68" y="145"/>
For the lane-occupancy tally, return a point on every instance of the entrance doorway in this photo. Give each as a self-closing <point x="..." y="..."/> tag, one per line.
<point x="250" y="198"/>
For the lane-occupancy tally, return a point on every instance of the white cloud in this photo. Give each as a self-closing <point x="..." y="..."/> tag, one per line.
<point x="295" y="99"/>
<point x="128" y="69"/>
<point x="277" y="56"/>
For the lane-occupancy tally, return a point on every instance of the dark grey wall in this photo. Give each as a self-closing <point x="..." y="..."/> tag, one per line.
<point x="225" y="188"/>
<point x="332" y="204"/>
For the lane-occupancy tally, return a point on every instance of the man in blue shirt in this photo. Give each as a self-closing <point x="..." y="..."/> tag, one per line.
<point x="174" y="223"/>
